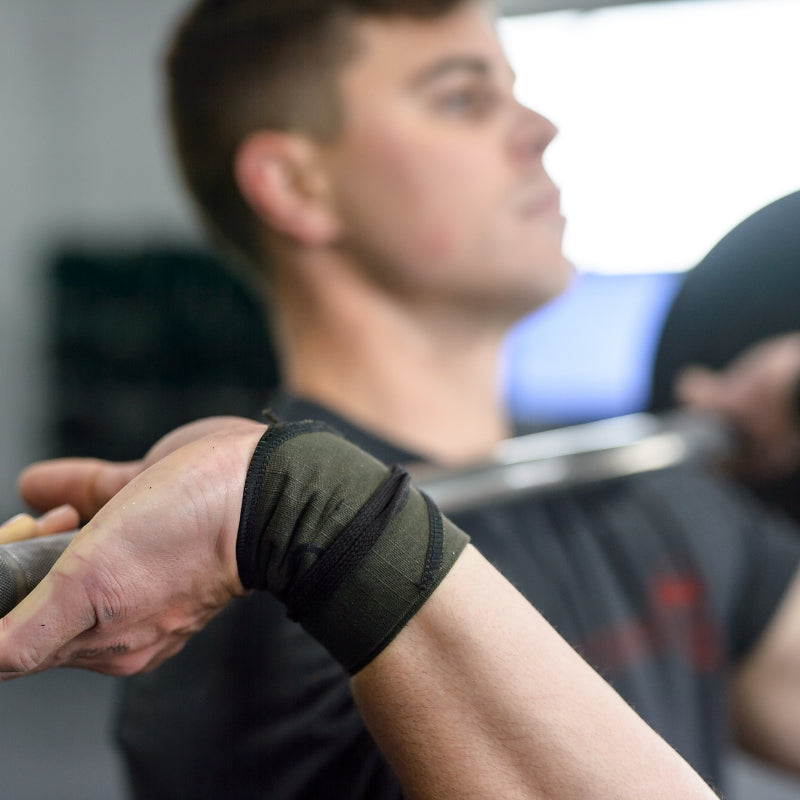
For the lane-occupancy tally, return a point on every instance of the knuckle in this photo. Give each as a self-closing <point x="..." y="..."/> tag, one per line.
<point x="127" y="665"/>
<point x="118" y="659"/>
<point x="25" y="660"/>
<point x="99" y="654"/>
<point x="106" y="597"/>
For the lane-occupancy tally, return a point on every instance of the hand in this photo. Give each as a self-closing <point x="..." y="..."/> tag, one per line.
<point x="87" y="484"/>
<point x="154" y="563"/>
<point x="757" y="392"/>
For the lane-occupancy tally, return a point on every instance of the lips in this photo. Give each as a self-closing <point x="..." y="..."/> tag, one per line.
<point x="542" y="204"/>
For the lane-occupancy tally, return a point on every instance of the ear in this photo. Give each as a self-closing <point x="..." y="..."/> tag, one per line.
<point x="282" y="179"/>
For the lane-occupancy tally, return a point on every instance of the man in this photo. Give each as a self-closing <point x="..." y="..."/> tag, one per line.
<point x="372" y="158"/>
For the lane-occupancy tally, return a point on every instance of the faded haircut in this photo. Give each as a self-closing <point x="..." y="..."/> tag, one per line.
<point x="238" y="66"/>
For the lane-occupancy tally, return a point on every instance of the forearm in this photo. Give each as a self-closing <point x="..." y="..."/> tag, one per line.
<point x="479" y="697"/>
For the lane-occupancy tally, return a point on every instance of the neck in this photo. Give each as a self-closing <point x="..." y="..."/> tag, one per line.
<point x="423" y="378"/>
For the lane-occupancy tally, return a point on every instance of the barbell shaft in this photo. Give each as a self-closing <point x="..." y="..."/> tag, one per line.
<point x="564" y="458"/>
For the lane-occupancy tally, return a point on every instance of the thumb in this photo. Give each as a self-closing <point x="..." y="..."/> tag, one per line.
<point x="699" y="387"/>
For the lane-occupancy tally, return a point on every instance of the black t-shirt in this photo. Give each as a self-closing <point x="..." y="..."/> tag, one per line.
<point x="661" y="581"/>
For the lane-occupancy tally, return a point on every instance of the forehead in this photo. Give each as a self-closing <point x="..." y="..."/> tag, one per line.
<point x="407" y="53"/>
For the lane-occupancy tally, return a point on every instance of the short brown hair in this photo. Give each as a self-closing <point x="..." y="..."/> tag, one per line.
<point x="238" y="66"/>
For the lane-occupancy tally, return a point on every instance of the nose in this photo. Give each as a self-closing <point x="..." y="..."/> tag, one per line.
<point x="531" y="135"/>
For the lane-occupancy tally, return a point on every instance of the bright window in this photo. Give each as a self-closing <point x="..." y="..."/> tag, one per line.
<point x="677" y="120"/>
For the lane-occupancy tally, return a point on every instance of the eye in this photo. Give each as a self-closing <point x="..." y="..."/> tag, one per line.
<point x="466" y="101"/>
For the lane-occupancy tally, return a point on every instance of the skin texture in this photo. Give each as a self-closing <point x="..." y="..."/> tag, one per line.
<point x="507" y="675"/>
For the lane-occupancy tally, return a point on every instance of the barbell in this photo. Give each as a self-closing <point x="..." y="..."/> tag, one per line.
<point x="543" y="462"/>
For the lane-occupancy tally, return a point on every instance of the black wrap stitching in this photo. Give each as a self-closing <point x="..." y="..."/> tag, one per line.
<point x="343" y="556"/>
<point x="435" y="553"/>
<point x="252" y="518"/>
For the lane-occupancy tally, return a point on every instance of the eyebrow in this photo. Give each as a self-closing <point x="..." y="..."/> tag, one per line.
<point x="428" y="75"/>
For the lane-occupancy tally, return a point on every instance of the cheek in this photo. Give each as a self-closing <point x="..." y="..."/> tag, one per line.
<point x="428" y="198"/>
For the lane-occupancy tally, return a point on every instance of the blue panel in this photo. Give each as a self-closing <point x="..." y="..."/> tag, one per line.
<point x="588" y="354"/>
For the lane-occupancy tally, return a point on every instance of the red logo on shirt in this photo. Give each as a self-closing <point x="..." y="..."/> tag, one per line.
<point x="676" y="620"/>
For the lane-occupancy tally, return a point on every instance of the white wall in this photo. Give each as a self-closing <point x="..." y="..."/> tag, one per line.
<point x="82" y="153"/>
<point x="677" y="121"/>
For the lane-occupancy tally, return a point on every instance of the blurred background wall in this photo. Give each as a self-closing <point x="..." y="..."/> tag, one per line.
<point x="82" y="157"/>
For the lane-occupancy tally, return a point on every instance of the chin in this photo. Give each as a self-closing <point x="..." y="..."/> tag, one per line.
<point x="551" y="282"/>
<point x="566" y="275"/>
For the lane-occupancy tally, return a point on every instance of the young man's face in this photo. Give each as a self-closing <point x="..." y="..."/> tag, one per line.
<point x="438" y="170"/>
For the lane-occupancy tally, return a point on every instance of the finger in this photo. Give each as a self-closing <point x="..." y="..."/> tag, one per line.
<point x="57" y="520"/>
<point x="122" y="660"/>
<point x="22" y="526"/>
<point x="698" y="386"/>
<point x="86" y="484"/>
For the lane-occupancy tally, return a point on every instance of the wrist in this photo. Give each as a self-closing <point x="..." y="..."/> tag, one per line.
<point x="225" y="455"/>
<point x="345" y="542"/>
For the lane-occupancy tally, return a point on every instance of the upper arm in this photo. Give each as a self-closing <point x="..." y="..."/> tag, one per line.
<point x="766" y="687"/>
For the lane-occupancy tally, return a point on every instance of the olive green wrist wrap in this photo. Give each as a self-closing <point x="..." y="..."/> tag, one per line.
<point x="345" y="542"/>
